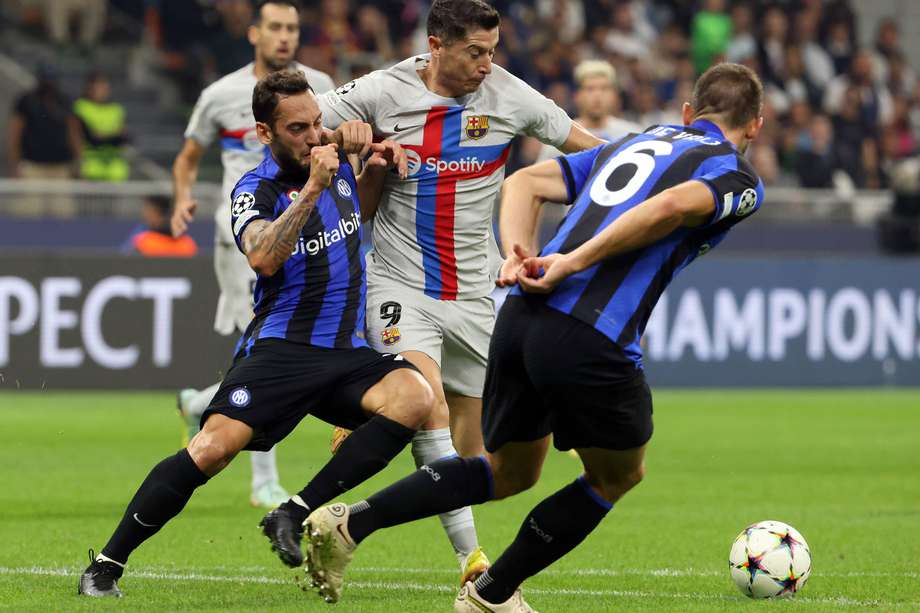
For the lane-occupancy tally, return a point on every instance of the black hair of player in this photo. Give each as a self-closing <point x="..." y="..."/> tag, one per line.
<point x="452" y="20"/>
<point x="270" y="90"/>
<point x="162" y="204"/>
<point x="257" y="14"/>
<point x="730" y="91"/>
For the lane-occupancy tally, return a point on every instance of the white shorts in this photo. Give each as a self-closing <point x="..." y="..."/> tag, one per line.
<point x="236" y="281"/>
<point x="454" y="333"/>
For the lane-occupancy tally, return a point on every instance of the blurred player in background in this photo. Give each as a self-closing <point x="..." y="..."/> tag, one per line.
<point x="565" y="359"/>
<point x="224" y="110"/>
<point x="429" y="280"/>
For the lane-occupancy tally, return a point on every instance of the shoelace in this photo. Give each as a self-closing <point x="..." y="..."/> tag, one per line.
<point x="106" y="569"/>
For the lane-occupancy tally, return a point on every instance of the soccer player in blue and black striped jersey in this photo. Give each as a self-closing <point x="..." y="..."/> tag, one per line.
<point x="297" y="218"/>
<point x="565" y="358"/>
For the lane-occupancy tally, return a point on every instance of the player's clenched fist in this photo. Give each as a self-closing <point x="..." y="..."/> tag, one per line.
<point x="324" y="163"/>
<point x="354" y="136"/>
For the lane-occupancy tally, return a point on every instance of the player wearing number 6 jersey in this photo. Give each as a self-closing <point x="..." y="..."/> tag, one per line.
<point x="455" y="114"/>
<point x="565" y="358"/>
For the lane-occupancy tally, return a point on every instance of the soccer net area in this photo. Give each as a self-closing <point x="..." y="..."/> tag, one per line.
<point x="81" y="199"/>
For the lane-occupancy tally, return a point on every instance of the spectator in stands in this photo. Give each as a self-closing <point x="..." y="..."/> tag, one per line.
<point x="875" y="105"/>
<point x="44" y="142"/>
<point x="815" y="159"/>
<point x="373" y="35"/>
<point x="855" y="139"/>
<point x="103" y="123"/>
<point x="230" y="45"/>
<point x="772" y="45"/>
<point x="840" y="45"/>
<point x="742" y="44"/>
<point x="90" y="13"/>
<point x="153" y="237"/>
<point x="818" y="64"/>
<point x="711" y="31"/>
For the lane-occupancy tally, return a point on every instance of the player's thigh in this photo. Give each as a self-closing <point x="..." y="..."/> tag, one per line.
<point x="596" y="395"/>
<point x="512" y="408"/>
<point x="610" y="472"/>
<point x="271" y="388"/>
<point x="430" y="369"/>
<point x="377" y="384"/>
<point x="516" y="466"/>
<point x="468" y="326"/>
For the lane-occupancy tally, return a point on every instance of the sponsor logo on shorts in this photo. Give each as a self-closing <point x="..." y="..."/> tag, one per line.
<point x="240" y="397"/>
<point x="477" y="126"/>
<point x="242" y="202"/>
<point x="390" y="336"/>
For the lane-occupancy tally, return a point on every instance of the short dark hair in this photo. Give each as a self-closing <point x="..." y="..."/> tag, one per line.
<point x="162" y="204"/>
<point x="452" y="20"/>
<point x="257" y="14"/>
<point x="270" y="90"/>
<point x="732" y="91"/>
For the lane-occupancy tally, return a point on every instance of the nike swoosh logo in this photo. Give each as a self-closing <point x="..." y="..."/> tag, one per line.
<point x="138" y="520"/>
<point x="396" y="128"/>
<point x="342" y="534"/>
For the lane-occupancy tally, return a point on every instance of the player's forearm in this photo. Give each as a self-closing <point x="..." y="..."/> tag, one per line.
<point x="638" y="227"/>
<point x="520" y="209"/>
<point x="185" y="173"/>
<point x="370" y="189"/>
<point x="268" y="247"/>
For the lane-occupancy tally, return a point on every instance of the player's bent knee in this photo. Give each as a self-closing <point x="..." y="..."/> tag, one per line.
<point x="511" y="482"/>
<point x="211" y="452"/>
<point x="614" y="486"/>
<point x="410" y="400"/>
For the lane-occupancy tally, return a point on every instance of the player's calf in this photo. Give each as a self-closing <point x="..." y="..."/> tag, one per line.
<point x="613" y="473"/>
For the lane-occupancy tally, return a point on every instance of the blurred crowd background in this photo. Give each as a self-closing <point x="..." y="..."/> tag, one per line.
<point x="842" y="110"/>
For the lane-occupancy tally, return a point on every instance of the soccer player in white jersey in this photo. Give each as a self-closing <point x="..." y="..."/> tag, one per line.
<point x="224" y="110"/>
<point x="455" y="114"/>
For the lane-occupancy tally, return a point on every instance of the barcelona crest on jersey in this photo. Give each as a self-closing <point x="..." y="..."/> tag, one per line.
<point x="477" y="126"/>
<point x="390" y="336"/>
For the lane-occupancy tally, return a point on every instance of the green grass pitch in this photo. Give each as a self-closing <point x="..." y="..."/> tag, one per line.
<point x="841" y="466"/>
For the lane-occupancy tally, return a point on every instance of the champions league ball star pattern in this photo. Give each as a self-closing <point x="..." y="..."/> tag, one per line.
<point x="769" y="559"/>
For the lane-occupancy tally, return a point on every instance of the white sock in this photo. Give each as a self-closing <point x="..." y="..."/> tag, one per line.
<point x="431" y="445"/>
<point x="200" y="401"/>
<point x="264" y="468"/>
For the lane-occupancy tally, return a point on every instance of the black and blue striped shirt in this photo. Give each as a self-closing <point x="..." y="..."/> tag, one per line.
<point x="616" y="296"/>
<point x="318" y="297"/>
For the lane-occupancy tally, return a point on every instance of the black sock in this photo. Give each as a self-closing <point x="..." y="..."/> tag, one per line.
<point x="364" y="453"/>
<point x="159" y="498"/>
<point x="552" y="529"/>
<point x="444" y="485"/>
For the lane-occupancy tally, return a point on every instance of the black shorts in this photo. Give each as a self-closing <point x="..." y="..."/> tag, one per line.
<point x="278" y="383"/>
<point x="551" y="373"/>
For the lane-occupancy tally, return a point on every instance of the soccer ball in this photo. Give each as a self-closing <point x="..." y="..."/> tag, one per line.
<point x="769" y="559"/>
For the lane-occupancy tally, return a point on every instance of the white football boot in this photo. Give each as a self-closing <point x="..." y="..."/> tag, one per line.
<point x="469" y="601"/>
<point x="329" y="550"/>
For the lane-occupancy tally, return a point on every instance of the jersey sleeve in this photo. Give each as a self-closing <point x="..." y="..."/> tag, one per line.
<point x="202" y="126"/>
<point x="320" y="82"/>
<point x="250" y="201"/>
<point x="542" y="118"/>
<point x="576" y="168"/>
<point x="355" y="100"/>
<point x="737" y="191"/>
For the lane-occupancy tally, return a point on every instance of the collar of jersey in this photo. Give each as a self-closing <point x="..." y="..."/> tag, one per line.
<point x="707" y="126"/>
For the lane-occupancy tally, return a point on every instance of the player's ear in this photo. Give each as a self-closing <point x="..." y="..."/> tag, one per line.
<point x="434" y="45"/>
<point x="264" y="132"/>
<point x="252" y="33"/>
<point x="753" y="128"/>
<point x="687" y="114"/>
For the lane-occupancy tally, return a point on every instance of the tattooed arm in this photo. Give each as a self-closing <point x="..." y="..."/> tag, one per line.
<point x="268" y="244"/>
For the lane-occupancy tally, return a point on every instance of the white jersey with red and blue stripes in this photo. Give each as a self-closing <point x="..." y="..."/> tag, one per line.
<point x="224" y="110"/>
<point x="433" y="229"/>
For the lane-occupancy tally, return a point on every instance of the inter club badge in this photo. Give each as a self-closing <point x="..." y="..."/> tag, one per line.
<point x="477" y="126"/>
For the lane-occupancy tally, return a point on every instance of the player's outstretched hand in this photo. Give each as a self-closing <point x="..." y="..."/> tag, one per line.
<point x="541" y="275"/>
<point x="388" y="154"/>
<point x="513" y="264"/>
<point x="183" y="214"/>
<point x="354" y="136"/>
<point x="324" y="163"/>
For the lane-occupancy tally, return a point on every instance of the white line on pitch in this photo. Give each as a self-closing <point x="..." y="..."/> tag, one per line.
<point x="428" y="587"/>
